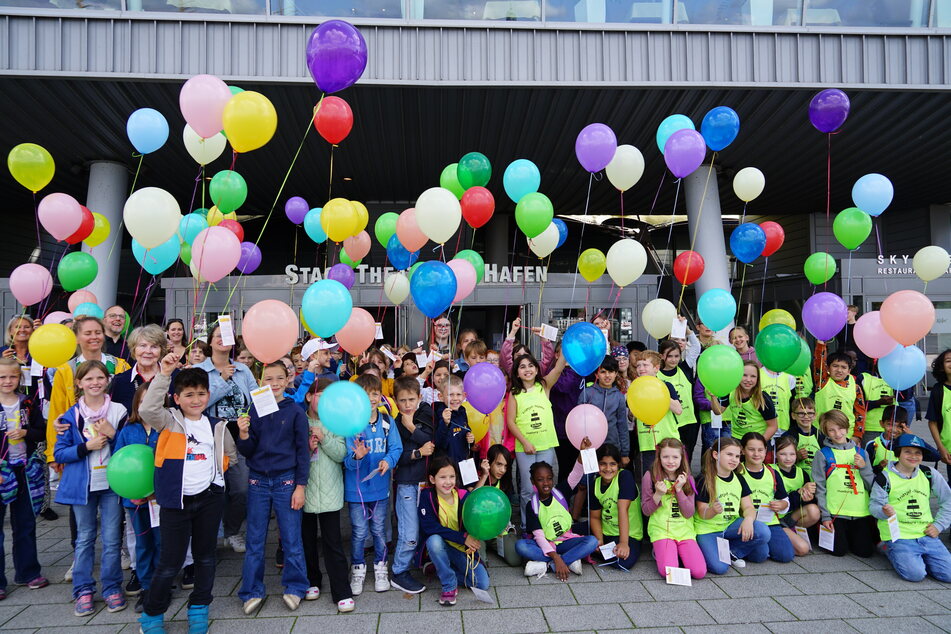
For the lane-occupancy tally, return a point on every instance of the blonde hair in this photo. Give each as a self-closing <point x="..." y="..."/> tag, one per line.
<point x="709" y="464"/>
<point x="756" y="392"/>
<point x="833" y="417"/>
<point x="13" y="321"/>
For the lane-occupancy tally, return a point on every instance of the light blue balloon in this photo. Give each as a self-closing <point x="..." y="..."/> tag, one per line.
<point x="672" y="124"/>
<point x="191" y="225"/>
<point x="903" y="367"/>
<point x="312" y="227"/>
<point x="399" y="257"/>
<point x="716" y="308"/>
<point x="521" y="177"/>
<point x="89" y="309"/>
<point x="147" y="129"/>
<point x="872" y="194"/>
<point x="326" y="306"/>
<point x="344" y="408"/>
<point x="433" y="287"/>
<point x="584" y="347"/>
<point x="562" y="231"/>
<point x="747" y="242"/>
<point x="157" y="259"/>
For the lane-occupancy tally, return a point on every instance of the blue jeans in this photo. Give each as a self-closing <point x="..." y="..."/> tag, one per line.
<point x="26" y="565"/>
<point x="266" y="492"/>
<point x="915" y="558"/>
<point x="709" y="435"/>
<point x="369" y="517"/>
<point x="756" y="550"/>
<point x="148" y="543"/>
<point x="524" y="462"/>
<point x="571" y="550"/>
<point x="105" y="505"/>
<point x="635" y="551"/>
<point x="780" y="548"/>
<point x="453" y="566"/>
<point x="407" y="527"/>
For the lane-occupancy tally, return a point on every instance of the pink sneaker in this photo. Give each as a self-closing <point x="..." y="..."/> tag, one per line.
<point x="39" y="582"/>
<point x="448" y="598"/>
<point x="115" y="602"/>
<point x="84" y="605"/>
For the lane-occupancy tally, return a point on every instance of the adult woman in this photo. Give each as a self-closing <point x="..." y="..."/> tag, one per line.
<point x="740" y="339"/>
<point x="146" y="347"/>
<point x="175" y="333"/>
<point x="19" y="330"/>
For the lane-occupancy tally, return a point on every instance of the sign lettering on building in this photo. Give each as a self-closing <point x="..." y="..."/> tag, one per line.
<point x="896" y="265"/>
<point x="365" y="274"/>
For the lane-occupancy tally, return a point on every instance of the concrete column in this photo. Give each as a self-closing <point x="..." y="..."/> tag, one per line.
<point x="107" y="193"/>
<point x="706" y="228"/>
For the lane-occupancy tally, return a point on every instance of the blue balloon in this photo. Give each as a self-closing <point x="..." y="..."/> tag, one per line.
<point x="747" y="242"/>
<point x="562" y="231"/>
<point x="903" y="367"/>
<point x="191" y="225"/>
<point x="147" y="129"/>
<point x="399" y="257"/>
<point x="672" y="124"/>
<point x="584" y="347"/>
<point x="312" y="226"/>
<point x="716" y="308"/>
<point x="157" y="259"/>
<point x="326" y="307"/>
<point x="872" y="194"/>
<point x="89" y="309"/>
<point x="521" y="177"/>
<point x="344" y="408"/>
<point x="433" y="287"/>
<point x="720" y="127"/>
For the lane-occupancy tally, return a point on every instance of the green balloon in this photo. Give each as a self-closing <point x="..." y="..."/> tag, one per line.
<point x="345" y="259"/>
<point x="202" y="211"/>
<point x="235" y="90"/>
<point x="473" y="169"/>
<point x="819" y="268"/>
<point x="186" y="253"/>
<point x="385" y="227"/>
<point x="412" y="269"/>
<point x="533" y="213"/>
<point x="851" y="226"/>
<point x="486" y="512"/>
<point x="128" y="324"/>
<point x="76" y="270"/>
<point x="228" y="191"/>
<point x="450" y="180"/>
<point x="475" y="260"/>
<point x="803" y="362"/>
<point x="130" y="472"/>
<point x="720" y="369"/>
<point x="777" y="347"/>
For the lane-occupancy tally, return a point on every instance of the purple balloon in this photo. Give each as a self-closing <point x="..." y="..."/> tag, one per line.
<point x="342" y="273"/>
<point x="296" y="208"/>
<point x="484" y="384"/>
<point x="595" y="147"/>
<point x="684" y="152"/>
<point x="829" y="109"/>
<point x="824" y="315"/>
<point x="250" y="258"/>
<point x="336" y="55"/>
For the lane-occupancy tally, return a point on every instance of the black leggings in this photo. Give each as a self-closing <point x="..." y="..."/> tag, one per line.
<point x="334" y="559"/>
<point x="859" y="535"/>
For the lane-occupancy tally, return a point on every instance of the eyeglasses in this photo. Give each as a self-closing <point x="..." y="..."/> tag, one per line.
<point x="442" y="325"/>
<point x="806" y="414"/>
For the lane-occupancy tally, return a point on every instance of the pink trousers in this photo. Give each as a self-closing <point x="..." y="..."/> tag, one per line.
<point x="666" y="552"/>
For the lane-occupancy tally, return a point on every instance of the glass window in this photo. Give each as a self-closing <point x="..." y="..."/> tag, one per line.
<point x="340" y="8"/>
<point x="742" y="12"/>
<point x="600" y="11"/>
<point x="942" y="13"/>
<point x="245" y="7"/>
<point x="111" y="5"/>
<point x="880" y="13"/>
<point x="511" y="10"/>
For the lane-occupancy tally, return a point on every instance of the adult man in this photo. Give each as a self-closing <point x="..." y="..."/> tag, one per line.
<point x="115" y="324"/>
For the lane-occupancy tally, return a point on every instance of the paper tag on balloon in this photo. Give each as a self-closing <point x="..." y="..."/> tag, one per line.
<point x="483" y="596"/>
<point x="826" y="538"/>
<point x="25" y="377"/>
<point x="379" y="331"/>
<point x="894" y="532"/>
<point x="467" y="470"/>
<point x="765" y="514"/>
<point x="678" y="329"/>
<point x="36" y="368"/>
<point x="264" y="401"/>
<point x="716" y="420"/>
<point x="607" y="551"/>
<point x="388" y="353"/>
<point x="227" y="330"/>
<point x="422" y="360"/>
<point x="154" y="514"/>
<point x="678" y="576"/>
<point x="723" y="551"/>
<point x="549" y="332"/>
<point x="589" y="460"/>
<point x="804" y="533"/>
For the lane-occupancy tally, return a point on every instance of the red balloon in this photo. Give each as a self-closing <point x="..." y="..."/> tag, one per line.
<point x="478" y="205"/>
<point x="234" y="227"/>
<point x="85" y="228"/>
<point x="334" y="119"/>
<point x="688" y="267"/>
<point x="775" y="236"/>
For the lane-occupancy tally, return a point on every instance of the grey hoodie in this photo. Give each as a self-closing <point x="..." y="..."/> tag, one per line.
<point x="819" y="475"/>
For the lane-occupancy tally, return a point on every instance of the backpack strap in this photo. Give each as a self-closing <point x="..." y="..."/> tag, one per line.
<point x="830" y="460"/>
<point x="928" y="474"/>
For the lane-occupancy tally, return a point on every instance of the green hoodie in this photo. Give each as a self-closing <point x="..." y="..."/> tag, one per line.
<point x="324" y="491"/>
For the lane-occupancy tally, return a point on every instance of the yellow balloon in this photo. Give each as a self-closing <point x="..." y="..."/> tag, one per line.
<point x="777" y="316"/>
<point x="100" y="230"/>
<point x="52" y="345"/>
<point x="591" y="264"/>
<point x="249" y="120"/>
<point x="303" y="322"/>
<point x="31" y="165"/>
<point x="363" y="216"/>
<point x="649" y="399"/>
<point x="339" y="219"/>
<point x="478" y="422"/>
<point x="231" y="215"/>
<point x="214" y="216"/>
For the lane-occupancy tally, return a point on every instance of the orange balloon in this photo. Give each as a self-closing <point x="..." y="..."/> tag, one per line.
<point x="358" y="333"/>
<point x="357" y="246"/>
<point x="407" y="230"/>
<point x="907" y="316"/>
<point x="270" y="330"/>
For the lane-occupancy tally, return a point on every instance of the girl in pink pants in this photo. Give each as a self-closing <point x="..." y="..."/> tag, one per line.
<point x="667" y="498"/>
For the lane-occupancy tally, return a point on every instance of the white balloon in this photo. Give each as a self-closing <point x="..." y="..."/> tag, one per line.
<point x="931" y="263"/>
<point x="658" y="317"/>
<point x="204" y="151"/>
<point x="193" y="267"/>
<point x="438" y="214"/>
<point x="748" y="183"/>
<point x="544" y="243"/>
<point x="151" y="216"/>
<point x="627" y="260"/>
<point x="626" y="168"/>
<point x="396" y="287"/>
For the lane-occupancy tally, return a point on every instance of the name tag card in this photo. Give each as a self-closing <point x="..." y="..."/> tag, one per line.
<point x="98" y="480"/>
<point x="723" y="551"/>
<point x="802" y="532"/>
<point x="379" y="331"/>
<point x="893" y="529"/>
<point x="678" y="329"/>
<point x="25" y="377"/>
<point x="716" y="420"/>
<point x="589" y="460"/>
<point x="227" y="329"/>
<point x="483" y="596"/>
<point x="263" y="399"/>
<point x="549" y="332"/>
<point x="607" y="551"/>
<point x="154" y="513"/>
<point x="826" y="538"/>
<point x="36" y="368"/>
<point x="678" y="576"/>
<point x="765" y="514"/>
<point x="467" y="470"/>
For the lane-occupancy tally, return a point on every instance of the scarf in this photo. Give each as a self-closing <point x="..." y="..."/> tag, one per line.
<point x="91" y="415"/>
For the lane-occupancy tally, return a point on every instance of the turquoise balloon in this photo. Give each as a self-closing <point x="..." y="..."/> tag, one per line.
<point x="157" y="259"/>
<point x="191" y="225"/>
<point x="672" y="124"/>
<point x="716" y="308"/>
<point x="326" y="307"/>
<point x="344" y="408"/>
<point x="312" y="226"/>
<point x="89" y="309"/>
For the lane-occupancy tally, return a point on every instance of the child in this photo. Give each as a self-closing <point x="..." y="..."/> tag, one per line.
<point x="750" y="408"/>
<point x="322" y="503"/>
<point x="905" y="489"/>
<point x="372" y="452"/>
<point x="198" y="352"/>
<point x="669" y="503"/>
<point x="475" y="352"/>
<point x="843" y="477"/>
<point x="673" y="373"/>
<point x="436" y="391"/>
<point x="708" y="433"/>
<point x="452" y="435"/>
<point x="321" y="351"/>
<point x="497" y="469"/>
<point x="938" y="414"/>
<point x="84" y="450"/>
<point x="191" y="457"/>
<point x="492" y="356"/>
<point x="415" y="427"/>
<point x="803" y="511"/>
<point x="838" y="389"/>
<point x="615" y="507"/>
<point x="780" y="387"/>
<point x="740" y="339"/>
<point x="724" y="509"/>
<point x="808" y="439"/>
<point x="877" y="396"/>
<point x="454" y="553"/>
<point x="649" y="436"/>
<point x="767" y="490"/>
<point x="881" y="448"/>
<point x="277" y="449"/>
<point x="604" y="394"/>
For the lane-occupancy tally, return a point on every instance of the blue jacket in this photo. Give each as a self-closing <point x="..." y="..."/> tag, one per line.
<point x="218" y="387"/>
<point x="612" y="403"/>
<point x="301" y="384"/>
<point x="429" y="523"/>
<point x="134" y="434"/>
<point x="384" y="444"/>
<point x="450" y="439"/>
<point x="70" y="451"/>
<point x="278" y="443"/>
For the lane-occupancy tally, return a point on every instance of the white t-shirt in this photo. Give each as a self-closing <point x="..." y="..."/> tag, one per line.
<point x="16" y="452"/>
<point x="199" y="471"/>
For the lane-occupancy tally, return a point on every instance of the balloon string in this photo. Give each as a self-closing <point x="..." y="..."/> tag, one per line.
<point x="693" y="238"/>
<point x="508" y="290"/>
<point x="762" y="295"/>
<point x="828" y="178"/>
<point x="330" y="179"/>
<point x="198" y="179"/>
<point x="541" y="290"/>
<point x="849" y="292"/>
<point x="117" y="237"/>
<point x="739" y="300"/>
<point x="290" y="299"/>
<point x="587" y="201"/>
<point x="379" y="303"/>
<point x="234" y="158"/>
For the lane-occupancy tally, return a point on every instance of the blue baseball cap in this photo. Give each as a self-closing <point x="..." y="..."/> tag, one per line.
<point x="911" y="440"/>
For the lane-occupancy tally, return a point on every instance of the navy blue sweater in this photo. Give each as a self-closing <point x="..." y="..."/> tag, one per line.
<point x="408" y="469"/>
<point x="278" y="443"/>
<point x="450" y="439"/>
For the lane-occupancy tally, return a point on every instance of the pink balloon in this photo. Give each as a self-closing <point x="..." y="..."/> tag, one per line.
<point x="269" y="328"/>
<point x="358" y="333"/>
<point x="465" y="278"/>
<point x="81" y="297"/>
<point x="60" y="215"/>
<point x="407" y="230"/>
<point x="57" y="317"/>
<point x="30" y="283"/>
<point x="357" y="246"/>
<point x="907" y="316"/>
<point x="217" y="251"/>
<point x="202" y="101"/>
<point x="586" y="420"/>
<point x="871" y="337"/>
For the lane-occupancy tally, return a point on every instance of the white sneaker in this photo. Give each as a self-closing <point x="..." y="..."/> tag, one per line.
<point x="312" y="594"/>
<point x="237" y="543"/>
<point x="536" y="569"/>
<point x="252" y="604"/>
<point x="292" y="601"/>
<point x="346" y="605"/>
<point x="575" y="567"/>
<point x="736" y="562"/>
<point x="126" y="560"/>
<point x="358" y="573"/>
<point x="69" y="574"/>
<point x="382" y="583"/>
